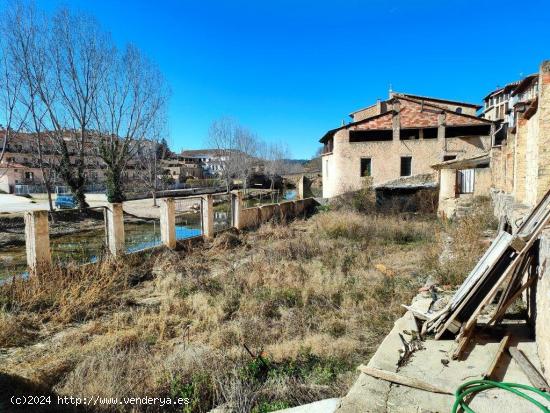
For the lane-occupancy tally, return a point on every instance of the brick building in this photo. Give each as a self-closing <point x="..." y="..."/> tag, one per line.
<point x="402" y="136"/>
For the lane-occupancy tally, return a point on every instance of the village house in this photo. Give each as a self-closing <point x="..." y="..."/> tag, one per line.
<point x="511" y="108"/>
<point x="402" y="137"/>
<point x="21" y="171"/>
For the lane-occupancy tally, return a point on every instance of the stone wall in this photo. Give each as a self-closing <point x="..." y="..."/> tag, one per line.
<point x="255" y="216"/>
<point x="542" y="320"/>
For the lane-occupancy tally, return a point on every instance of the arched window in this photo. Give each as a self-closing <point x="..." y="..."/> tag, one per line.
<point x="458" y="110"/>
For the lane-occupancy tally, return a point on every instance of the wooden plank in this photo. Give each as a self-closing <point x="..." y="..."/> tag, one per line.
<point x="489" y="259"/>
<point x="462" y="344"/>
<point x="500" y="351"/>
<point x="535" y="378"/>
<point x="497" y="317"/>
<point x="538" y="214"/>
<point x="517" y="243"/>
<point x="457" y="310"/>
<point x="511" y="267"/>
<point x="400" y="379"/>
<point x="489" y="296"/>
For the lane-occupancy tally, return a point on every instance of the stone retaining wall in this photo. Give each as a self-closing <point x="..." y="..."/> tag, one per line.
<point x="255" y="216"/>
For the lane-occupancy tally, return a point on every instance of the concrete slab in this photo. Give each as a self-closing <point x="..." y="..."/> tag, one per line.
<point x="373" y="395"/>
<point x="321" y="406"/>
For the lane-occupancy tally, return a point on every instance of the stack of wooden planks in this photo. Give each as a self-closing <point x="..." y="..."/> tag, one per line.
<point x="508" y="265"/>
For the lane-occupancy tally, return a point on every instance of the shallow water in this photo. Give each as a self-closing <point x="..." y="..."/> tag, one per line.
<point x="89" y="246"/>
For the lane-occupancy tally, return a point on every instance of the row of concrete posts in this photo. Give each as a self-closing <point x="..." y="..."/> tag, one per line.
<point x="37" y="236"/>
<point x="38" y="239"/>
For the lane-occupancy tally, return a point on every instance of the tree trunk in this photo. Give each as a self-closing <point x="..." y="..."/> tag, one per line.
<point x="154" y="193"/>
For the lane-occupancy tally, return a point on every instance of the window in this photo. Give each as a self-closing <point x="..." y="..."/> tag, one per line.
<point x="430" y="133"/>
<point x="29" y="175"/>
<point x="470" y="130"/>
<point x="458" y="110"/>
<point x="326" y="168"/>
<point x="370" y="135"/>
<point x="409" y="134"/>
<point x="366" y="166"/>
<point x="406" y="163"/>
<point x="448" y="157"/>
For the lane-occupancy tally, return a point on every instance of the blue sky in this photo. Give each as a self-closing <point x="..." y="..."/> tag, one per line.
<point x="290" y="70"/>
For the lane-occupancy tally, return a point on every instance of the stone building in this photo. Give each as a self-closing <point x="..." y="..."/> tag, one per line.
<point x="402" y="136"/>
<point x="520" y="178"/>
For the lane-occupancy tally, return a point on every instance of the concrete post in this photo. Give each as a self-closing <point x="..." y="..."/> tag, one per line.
<point x="396" y="121"/>
<point x="168" y="222"/>
<point x="442" y="142"/>
<point x="236" y="208"/>
<point x="208" y="216"/>
<point x="115" y="229"/>
<point x="447" y="192"/>
<point x="37" y="239"/>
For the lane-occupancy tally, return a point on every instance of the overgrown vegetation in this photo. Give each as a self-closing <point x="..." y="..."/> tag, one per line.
<point x="460" y="244"/>
<point x="255" y="322"/>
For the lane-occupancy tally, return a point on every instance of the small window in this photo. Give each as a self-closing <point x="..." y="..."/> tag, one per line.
<point x="448" y="157"/>
<point x="366" y="165"/>
<point x="458" y="110"/>
<point x="406" y="163"/>
<point x="430" y="133"/>
<point x="326" y="168"/>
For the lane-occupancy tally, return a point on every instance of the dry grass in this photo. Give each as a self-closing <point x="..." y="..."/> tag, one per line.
<point x="310" y="300"/>
<point x="460" y="244"/>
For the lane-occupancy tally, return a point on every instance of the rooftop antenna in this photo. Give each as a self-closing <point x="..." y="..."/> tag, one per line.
<point x="390" y="91"/>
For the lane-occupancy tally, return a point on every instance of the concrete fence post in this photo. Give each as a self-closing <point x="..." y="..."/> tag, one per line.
<point x="236" y="208"/>
<point x="37" y="239"/>
<point x="208" y="216"/>
<point x="115" y="229"/>
<point x="168" y="222"/>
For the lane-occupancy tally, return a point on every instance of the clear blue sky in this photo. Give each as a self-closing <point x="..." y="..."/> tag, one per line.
<point x="290" y="70"/>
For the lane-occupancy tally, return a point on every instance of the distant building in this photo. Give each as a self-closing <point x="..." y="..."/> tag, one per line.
<point x="20" y="167"/>
<point x="400" y="137"/>
<point x="211" y="161"/>
<point x="497" y="103"/>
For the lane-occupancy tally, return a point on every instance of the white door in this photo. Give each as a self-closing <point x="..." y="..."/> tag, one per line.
<point x="466" y="178"/>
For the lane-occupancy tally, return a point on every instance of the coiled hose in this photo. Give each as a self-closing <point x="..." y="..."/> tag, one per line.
<point x="480" y="385"/>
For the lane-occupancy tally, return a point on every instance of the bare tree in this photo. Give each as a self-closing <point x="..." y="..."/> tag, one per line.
<point x="148" y="159"/>
<point x="274" y="156"/>
<point x="10" y="89"/>
<point x="236" y="148"/>
<point x="131" y="100"/>
<point x="26" y="31"/>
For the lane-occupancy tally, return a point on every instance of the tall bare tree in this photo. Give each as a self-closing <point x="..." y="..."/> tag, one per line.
<point x="131" y="103"/>
<point x="26" y="31"/>
<point x="11" y="83"/>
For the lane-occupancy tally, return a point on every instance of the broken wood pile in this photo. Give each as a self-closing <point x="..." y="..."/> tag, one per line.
<point x="508" y="265"/>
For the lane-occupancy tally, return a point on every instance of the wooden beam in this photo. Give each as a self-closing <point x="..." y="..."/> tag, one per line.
<point x="500" y="351"/>
<point x="400" y="379"/>
<point x="462" y="344"/>
<point x="529" y="370"/>
<point x="498" y="315"/>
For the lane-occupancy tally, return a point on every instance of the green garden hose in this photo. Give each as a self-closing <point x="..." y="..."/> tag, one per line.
<point x="480" y="385"/>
